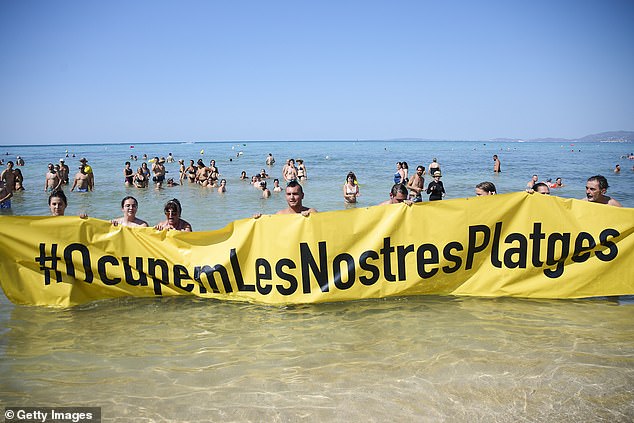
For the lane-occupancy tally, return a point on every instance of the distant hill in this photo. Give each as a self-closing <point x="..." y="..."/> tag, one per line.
<point x="612" y="136"/>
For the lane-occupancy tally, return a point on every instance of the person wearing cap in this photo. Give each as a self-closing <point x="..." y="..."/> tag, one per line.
<point x="64" y="171"/>
<point x="173" y="219"/>
<point x="436" y="189"/>
<point x="88" y="171"/>
<point x="19" y="161"/>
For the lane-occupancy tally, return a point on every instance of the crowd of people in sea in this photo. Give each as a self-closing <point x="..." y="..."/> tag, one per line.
<point x="408" y="189"/>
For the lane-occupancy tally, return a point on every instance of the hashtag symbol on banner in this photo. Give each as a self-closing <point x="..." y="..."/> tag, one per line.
<point x="43" y="260"/>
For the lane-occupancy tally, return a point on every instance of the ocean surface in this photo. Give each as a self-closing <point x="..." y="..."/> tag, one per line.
<point x="400" y="359"/>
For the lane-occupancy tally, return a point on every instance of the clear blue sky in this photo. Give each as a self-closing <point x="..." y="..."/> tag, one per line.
<point x="145" y="71"/>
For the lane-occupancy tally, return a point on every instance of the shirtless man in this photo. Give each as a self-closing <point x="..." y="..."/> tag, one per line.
<point x="129" y="206"/>
<point x="596" y="187"/>
<point x="266" y="193"/>
<point x="81" y="181"/>
<point x="531" y="183"/>
<point x="270" y="160"/>
<point x="416" y="185"/>
<point x="8" y="176"/>
<point x="5" y="196"/>
<point x="398" y="194"/>
<point x="52" y="181"/>
<point x="89" y="172"/>
<point x="496" y="164"/>
<point x="434" y="166"/>
<point x="63" y="172"/>
<point x="294" y="198"/>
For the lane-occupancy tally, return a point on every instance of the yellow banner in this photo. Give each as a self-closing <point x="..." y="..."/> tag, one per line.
<point x="520" y="245"/>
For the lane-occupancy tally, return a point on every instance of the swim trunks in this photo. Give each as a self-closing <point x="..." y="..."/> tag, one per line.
<point x="159" y="178"/>
<point x="82" y="189"/>
<point x="6" y="204"/>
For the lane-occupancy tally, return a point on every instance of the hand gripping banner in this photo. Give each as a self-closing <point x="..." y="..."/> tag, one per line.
<point x="520" y="245"/>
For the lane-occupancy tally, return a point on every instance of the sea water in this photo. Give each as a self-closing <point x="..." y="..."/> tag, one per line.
<point x="401" y="359"/>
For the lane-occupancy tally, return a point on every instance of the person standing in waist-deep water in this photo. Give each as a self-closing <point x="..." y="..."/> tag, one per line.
<point x="496" y="164"/>
<point x="436" y="189"/>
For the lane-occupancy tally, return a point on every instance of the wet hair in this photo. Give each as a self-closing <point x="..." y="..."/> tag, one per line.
<point x="129" y="197"/>
<point x="293" y="184"/>
<point x="603" y="182"/>
<point x="354" y="177"/>
<point x="173" y="204"/>
<point x="404" y="165"/>
<point x="396" y="188"/>
<point x="127" y="163"/>
<point x="58" y="194"/>
<point x="487" y="186"/>
<point x="276" y="180"/>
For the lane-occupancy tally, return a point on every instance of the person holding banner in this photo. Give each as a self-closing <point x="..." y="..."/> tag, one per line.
<point x="57" y="203"/>
<point x="129" y="205"/>
<point x="485" y="188"/>
<point x="173" y="211"/>
<point x="294" y="199"/>
<point x="596" y="187"/>
<point x="398" y="194"/>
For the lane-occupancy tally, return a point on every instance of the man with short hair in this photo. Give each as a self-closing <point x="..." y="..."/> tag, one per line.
<point x="294" y="199"/>
<point x="398" y="194"/>
<point x="8" y="176"/>
<point x="416" y="184"/>
<point x="596" y="187"/>
<point x="81" y="181"/>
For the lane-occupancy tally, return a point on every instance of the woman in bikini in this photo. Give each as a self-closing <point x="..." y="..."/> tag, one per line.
<point x="351" y="189"/>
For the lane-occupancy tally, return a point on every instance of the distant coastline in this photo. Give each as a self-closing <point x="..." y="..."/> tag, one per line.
<point x="611" y="136"/>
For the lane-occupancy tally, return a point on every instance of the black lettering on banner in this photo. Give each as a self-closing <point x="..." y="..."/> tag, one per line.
<point x="85" y="260"/>
<point x="152" y="265"/>
<point x="374" y="271"/>
<point x="320" y="272"/>
<point x="101" y="268"/>
<point x="386" y="252"/>
<point x="495" y="248"/>
<point x="292" y="280"/>
<point x="537" y="236"/>
<point x="422" y="260"/>
<point x="473" y="247"/>
<point x="209" y="272"/>
<point x="613" y="249"/>
<point x="181" y="274"/>
<point x="127" y="270"/>
<point x="401" y="252"/>
<point x="237" y="273"/>
<point x="583" y="245"/>
<point x="264" y="274"/>
<point x="446" y="252"/>
<point x="336" y="270"/>
<point x="521" y="251"/>
<point x="43" y="259"/>
<point x="551" y="252"/>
